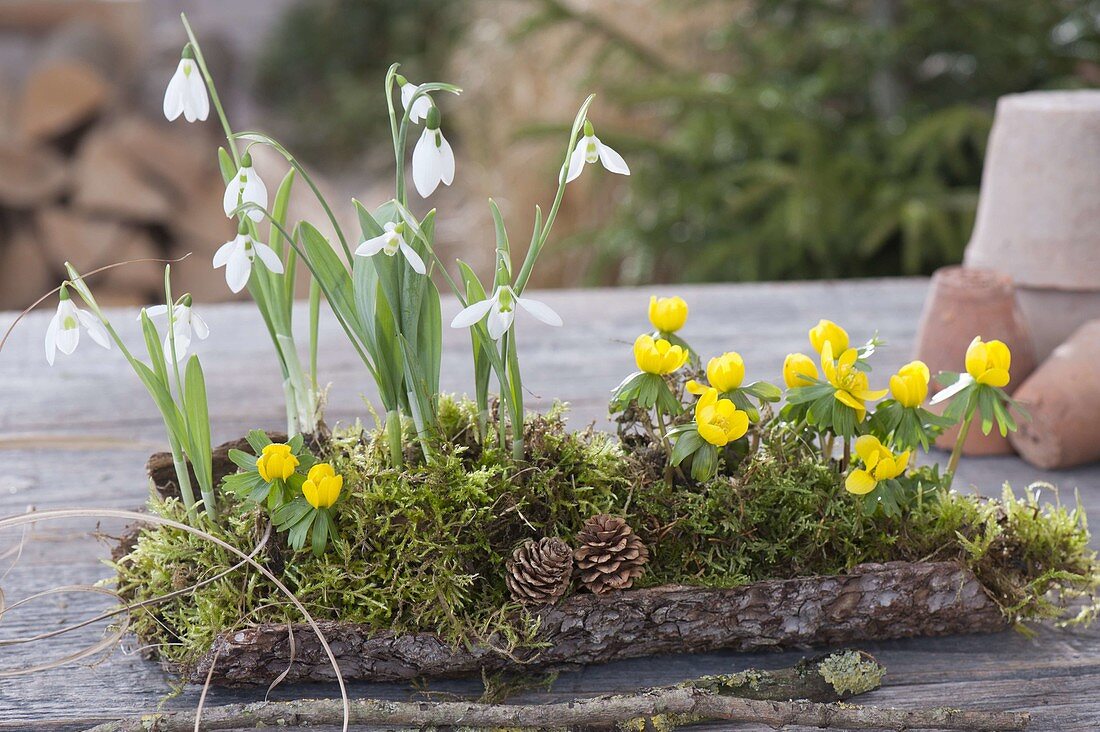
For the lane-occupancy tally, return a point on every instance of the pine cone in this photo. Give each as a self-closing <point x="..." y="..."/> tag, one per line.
<point x="539" y="571"/>
<point x="611" y="556"/>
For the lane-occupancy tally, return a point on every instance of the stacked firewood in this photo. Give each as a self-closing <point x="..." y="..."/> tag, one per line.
<point x="85" y="177"/>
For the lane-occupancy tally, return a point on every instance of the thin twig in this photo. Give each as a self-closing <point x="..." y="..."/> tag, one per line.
<point x="671" y="705"/>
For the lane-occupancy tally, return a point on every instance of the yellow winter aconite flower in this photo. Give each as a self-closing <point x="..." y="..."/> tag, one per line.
<point x="878" y="464"/>
<point x="658" y="356"/>
<point x="719" y="422"/>
<point x="799" y="370"/>
<point x="988" y="362"/>
<point x="909" y="386"/>
<point x="322" y="486"/>
<point x="667" y="314"/>
<point x="826" y="331"/>
<point x="850" y="383"/>
<point x="725" y="373"/>
<point x="276" y="462"/>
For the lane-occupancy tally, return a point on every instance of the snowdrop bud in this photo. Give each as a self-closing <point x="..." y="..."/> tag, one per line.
<point x="432" y="123"/>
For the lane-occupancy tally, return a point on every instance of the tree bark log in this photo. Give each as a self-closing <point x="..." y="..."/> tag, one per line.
<point x="872" y="602"/>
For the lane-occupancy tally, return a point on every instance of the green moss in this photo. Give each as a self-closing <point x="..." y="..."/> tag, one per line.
<point x="423" y="549"/>
<point x="851" y="673"/>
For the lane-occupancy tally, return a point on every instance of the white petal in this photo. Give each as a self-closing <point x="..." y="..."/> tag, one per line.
<point x="964" y="381"/>
<point x="67" y="339"/>
<point x="196" y="105"/>
<point x="446" y="160"/>
<point x="420" y="109"/>
<point x="473" y="313"/>
<point x="183" y="343"/>
<point x="612" y="160"/>
<point x="51" y="339"/>
<point x="414" y="259"/>
<point x="576" y="161"/>
<point x="232" y="198"/>
<point x="407" y="91"/>
<point x="173" y="94"/>
<point x="371" y="246"/>
<point x="221" y="257"/>
<point x="268" y="257"/>
<point x="95" y="329"/>
<point x="154" y="310"/>
<point x="255" y="192"/>
<point x="199" y="326"/>
<point x="238" y="270"/>
<point x="426" y="165"/>
<point x="540" y="310"/>
<point x="499" y="323"/>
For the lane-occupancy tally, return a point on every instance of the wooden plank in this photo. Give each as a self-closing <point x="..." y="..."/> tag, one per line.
<point x="78" y="434"/>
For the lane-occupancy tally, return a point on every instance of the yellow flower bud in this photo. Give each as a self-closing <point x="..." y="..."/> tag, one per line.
<point x="276" y="462"/>
<point x="725" y="373"/>
<point x="719" y="422"/>
<point x="322" y="486"/>
<point x="878" y="464"/>
<point x="988" y="362"/>
<point x="909" y="386"/>
<point x="799" y="370"/>
<point x="667" y="314"/>
<point x="826" y="331"/>
<point x="658" y="356"/>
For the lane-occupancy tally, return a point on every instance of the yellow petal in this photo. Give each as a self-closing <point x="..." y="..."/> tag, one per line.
<point x="903" y="462"/>
<point x="847" y="399"/>
<point x="694" y="387"/>
<point x="738" y="425"/>
<point x="998" y="354"/>
<point x="712" y="433"/>
<point x="860" y="482"/>
<point x="976" y="360"/>
<point x="885" y="469"/>
<point x="994" y="377"/>
<point x="868" y="448"/>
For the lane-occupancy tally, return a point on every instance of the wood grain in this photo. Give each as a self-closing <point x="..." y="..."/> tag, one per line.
<point x="79" y="435"/>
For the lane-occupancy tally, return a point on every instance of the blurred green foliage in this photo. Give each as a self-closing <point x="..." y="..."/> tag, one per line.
<point x="324" y="65"/>
<point x="823" y="138"/>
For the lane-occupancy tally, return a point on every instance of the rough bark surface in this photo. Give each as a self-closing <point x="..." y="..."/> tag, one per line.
<point x="872" y="602"/>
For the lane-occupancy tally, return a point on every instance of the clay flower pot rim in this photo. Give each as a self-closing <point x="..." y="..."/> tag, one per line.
<point x="1083" y="101"/>
<point x="973" y="283"/>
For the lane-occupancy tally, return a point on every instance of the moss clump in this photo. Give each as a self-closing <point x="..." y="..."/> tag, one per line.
<point x="851" y="673"/>
<point x="423" y="549"/>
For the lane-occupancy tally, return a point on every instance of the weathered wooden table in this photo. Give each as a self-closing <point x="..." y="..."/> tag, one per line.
<point x="79" y="434"/>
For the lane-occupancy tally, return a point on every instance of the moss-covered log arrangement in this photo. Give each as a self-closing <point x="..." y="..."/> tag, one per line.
<point x="771" y="555"/>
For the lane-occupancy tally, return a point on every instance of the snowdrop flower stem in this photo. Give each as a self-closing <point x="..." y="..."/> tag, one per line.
<point x="542" y="229"/>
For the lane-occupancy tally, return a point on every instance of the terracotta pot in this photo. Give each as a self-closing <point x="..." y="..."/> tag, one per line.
<point x="1038" y="216"/>
<point x="1063" y="398"/>
<point x="962" y="303"/>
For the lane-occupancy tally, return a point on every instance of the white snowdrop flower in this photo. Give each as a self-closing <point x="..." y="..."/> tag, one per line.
<point x="237" y="256"/>
<point x="63" y="333"/>
<point x="433" y="162"/>
<point x="185" y="324"/>
<point x="186" y="92"/>
<point x="390" y="242"/>
<point x="246" y="187"/>
<point x="500" y="309"/>
<point x="420" y="107"/>
<point x="589" y="149"/>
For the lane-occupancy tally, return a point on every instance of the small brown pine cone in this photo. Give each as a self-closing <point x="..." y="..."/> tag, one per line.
<point x="539" y="571"/>
<point x="610" y="555"/>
